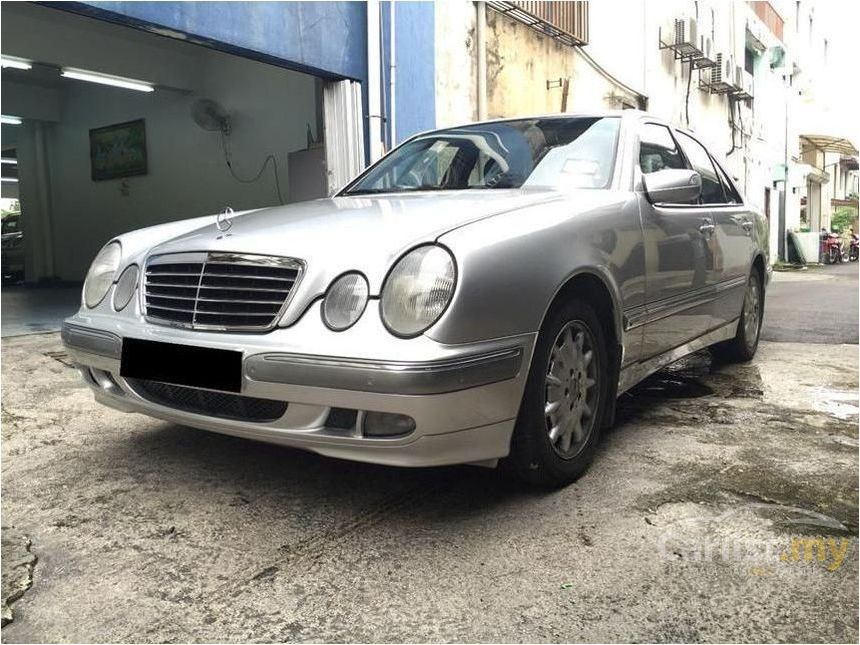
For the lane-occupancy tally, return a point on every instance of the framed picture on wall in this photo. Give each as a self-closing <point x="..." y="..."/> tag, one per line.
<point x="118" y="150"/>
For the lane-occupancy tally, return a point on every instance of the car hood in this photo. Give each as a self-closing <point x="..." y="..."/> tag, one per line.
<point x="340" y="234"/>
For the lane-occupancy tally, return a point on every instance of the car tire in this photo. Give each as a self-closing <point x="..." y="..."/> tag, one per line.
<point x="743" y="346"/>
<point x="569" y="376"/>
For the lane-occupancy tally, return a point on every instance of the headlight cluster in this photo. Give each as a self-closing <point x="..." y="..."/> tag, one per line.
<point x="345" y="301"/>
<point x="416" y="293"/>
<point x="100" y="276"/>
<point x="418" y="290"/>
<point x="125" y="287"/>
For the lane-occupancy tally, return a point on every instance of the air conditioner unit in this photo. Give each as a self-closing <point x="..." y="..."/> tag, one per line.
<point x="721" y="73"/>
<point x="686" y="32"/>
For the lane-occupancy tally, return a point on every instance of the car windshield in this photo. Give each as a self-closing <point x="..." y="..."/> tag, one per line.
<point x="550" y="152"/>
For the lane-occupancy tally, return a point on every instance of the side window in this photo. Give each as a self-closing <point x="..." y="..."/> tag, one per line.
<point x="657" y="149"/>
<point x="712" y="189"/>
<point x="732" y="195"/>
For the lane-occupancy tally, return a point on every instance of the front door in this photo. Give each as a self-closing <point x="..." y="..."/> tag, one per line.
<point x="733" y="237"/>
<point x="679" y="255"/>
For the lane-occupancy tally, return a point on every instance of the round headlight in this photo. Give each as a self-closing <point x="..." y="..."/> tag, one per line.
<point x="100" y="276"/>
<point x="125" y="287"/>
<point x="418" y="290"/>
<point x="345" y="301"/>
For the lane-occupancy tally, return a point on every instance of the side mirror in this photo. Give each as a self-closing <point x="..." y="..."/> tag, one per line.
<point x="673" y="186"/>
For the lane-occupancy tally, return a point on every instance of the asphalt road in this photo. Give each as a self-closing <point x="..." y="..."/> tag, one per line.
<point x="693" y="524"/>
<point x="818" y="305"/>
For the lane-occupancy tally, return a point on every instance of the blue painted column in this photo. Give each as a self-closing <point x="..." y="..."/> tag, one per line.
<point x="415" y="61"/>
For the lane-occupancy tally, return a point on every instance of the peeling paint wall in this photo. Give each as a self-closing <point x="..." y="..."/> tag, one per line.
<point x="456" y="64"/>
<point x="519" y="63"/>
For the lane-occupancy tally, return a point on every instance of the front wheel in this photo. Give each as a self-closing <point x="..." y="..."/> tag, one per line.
<point x="743" y="346"/>
<point x="566" y="392"/>
<point x="832" y="256"/>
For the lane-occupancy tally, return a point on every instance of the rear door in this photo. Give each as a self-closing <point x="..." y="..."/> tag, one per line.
<point x="733" y="237"/>
<point x="679" y="254"/>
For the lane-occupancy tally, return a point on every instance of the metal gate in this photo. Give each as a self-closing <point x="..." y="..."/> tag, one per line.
<point x="344" y="132"/>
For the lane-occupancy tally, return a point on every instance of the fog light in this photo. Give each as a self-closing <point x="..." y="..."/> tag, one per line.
<point x="385" y="424"/>
<point x="105" y="380"/>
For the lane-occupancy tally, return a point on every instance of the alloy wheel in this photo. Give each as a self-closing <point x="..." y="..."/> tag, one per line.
<point x="752" y="311"/>
<point x="571" y="392"/>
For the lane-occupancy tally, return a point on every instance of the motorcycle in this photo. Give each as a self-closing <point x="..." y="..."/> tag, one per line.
<point x="853" y="248"/>
<point x="831" y="248"/>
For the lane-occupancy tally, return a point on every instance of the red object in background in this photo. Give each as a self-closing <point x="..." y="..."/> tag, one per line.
<point x="831" y="248"/>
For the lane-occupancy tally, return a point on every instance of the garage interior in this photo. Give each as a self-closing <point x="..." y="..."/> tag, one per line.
<point x="175" y="130"/>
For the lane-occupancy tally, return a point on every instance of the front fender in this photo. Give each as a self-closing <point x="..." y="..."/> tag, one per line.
<point x="511" y="267"/>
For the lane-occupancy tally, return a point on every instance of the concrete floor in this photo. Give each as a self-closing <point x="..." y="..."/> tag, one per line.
<point x="30" y="310"/>
<point x="818" y="305"/>
<point x="689" y="526"/>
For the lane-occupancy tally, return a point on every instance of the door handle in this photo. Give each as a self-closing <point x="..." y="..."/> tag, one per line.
<point x="747" y="225"/>
<point x="706" y="229"/>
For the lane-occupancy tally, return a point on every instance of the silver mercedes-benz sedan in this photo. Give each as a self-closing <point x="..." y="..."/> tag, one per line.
<point x="482" y="293"/>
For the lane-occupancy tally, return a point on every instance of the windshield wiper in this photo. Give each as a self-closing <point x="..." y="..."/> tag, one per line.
<point x="370" y="191"/>
<point x="398" y="189"/>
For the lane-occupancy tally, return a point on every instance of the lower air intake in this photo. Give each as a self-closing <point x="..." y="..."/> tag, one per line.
<point x="222" y="405"/>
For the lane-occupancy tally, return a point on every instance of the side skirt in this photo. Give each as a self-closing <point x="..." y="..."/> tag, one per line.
<point x="634" y="373"/>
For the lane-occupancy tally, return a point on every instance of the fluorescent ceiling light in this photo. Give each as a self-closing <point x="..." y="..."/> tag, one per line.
<point x="10" y="180"/>
<point x="9" y="120"/>
<point x="15" y="63"/>
<point x="9" y="160"/>
<point x="107" y="79"/>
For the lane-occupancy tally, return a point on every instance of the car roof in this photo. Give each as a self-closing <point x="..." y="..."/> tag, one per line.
<point x="624" y="114"/>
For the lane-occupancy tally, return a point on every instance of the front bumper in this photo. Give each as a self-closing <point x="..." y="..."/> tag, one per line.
<point x="464" y="399"/>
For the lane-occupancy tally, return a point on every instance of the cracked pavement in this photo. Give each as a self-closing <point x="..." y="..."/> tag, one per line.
<point x="692" y="524"/>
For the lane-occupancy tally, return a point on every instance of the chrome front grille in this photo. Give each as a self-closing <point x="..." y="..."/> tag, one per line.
<point x="219" y="291"/>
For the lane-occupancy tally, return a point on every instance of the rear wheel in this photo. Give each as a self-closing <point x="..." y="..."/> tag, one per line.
<point x="743" y="346"/>
<point x="560" y="416"/>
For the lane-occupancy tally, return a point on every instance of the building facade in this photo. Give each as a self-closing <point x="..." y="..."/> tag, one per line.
<point x="727" y="70"/>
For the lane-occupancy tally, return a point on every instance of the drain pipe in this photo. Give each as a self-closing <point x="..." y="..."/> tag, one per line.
<point x="481" y="38"/>
<point x="392" y="72"/>
<point x="374" y="113"/>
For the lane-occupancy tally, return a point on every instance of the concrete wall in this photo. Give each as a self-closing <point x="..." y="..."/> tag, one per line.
<point x="456" y="63"/>
<point x="187" y="173"/>
<point x="519" y="63"/>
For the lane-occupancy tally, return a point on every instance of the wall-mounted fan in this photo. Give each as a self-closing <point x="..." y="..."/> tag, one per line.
<point x="211" y="116"/>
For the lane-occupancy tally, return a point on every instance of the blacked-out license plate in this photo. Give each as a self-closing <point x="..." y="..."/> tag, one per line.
<point x="214" y="369"/>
